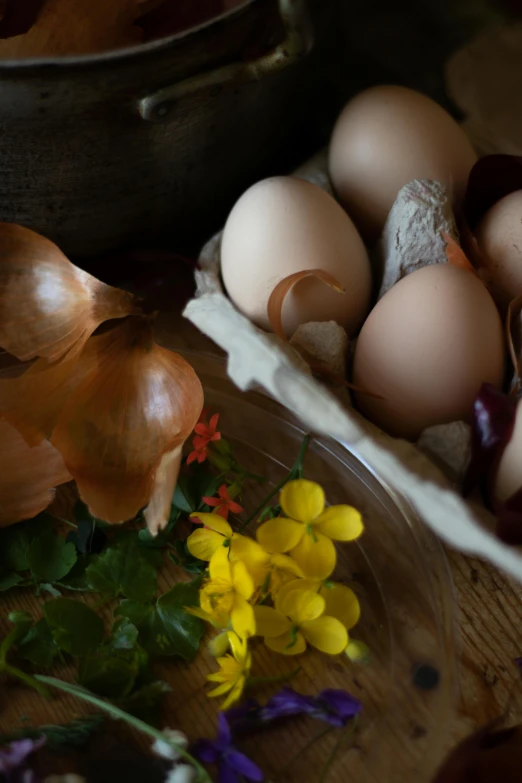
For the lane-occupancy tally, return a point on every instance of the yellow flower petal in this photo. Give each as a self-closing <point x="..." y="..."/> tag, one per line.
<point x="326" y="634"/>
<point x="285" y="644"/>
<point x="220" y="690"/>
<point x="279" y="534"/>
<point x="302" y="500"/>
<point x="269" y="622"/>
<point x="242" y="618"/>
<point x="219" y="566"/>
<point x="234" y="695"/>
<point x="341" y="603"/>
<point x="342" y="523"/>
<point x="206" y="616"/>
<point x="218" y="645"/>
<point x="204" y="543"/>
<point x="246" y="549"/>
<point x="302" y="605"/>
<point x="238" y="646"/>
<point x="287" y="564"/>
<point x="241" y="579"/>
<point x="316" y="555"/>
<point x="297" y="584"/>
<point x="214" y="522"/>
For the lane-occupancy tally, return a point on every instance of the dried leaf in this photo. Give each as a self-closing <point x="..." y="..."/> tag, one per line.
<point x="278" y="295"/>
<point x="492" y="426"/>
<point x="27" y="476"/>
<point x="455" y="254"/>
<point x="136" y="403"/>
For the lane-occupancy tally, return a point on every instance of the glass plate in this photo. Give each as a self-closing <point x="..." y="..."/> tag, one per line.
<point x="398" y="570"/>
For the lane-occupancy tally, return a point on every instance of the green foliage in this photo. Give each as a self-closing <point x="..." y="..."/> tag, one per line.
<point x="165" y="628"/>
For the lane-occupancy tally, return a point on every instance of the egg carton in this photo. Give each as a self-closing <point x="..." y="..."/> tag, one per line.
<point x="257" y="360"/>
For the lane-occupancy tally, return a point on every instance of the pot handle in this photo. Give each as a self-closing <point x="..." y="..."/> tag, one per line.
<point x="297" y="43"/>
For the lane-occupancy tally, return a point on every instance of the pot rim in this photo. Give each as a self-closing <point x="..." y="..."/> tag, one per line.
<point x="120" y="56"/>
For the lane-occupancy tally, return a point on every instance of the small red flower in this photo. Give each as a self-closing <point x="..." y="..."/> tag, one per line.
<point x="205" y="434"/>
<point x="223" y="503"/>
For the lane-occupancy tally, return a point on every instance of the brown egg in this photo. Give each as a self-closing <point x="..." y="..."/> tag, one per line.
<point x="284" y="225"/>
<point x="499" y="236"/>
<point x="386" y="137"/>
<point x="509" y="474"/>
<point x="427" y="347"/>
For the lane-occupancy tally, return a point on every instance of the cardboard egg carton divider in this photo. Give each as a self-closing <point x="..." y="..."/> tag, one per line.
<point x="256" y="360"/>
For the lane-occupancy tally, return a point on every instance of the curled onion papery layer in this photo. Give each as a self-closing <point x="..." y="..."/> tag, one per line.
<point x="158" y="511"/>
<point x="27" y="476"/>
<point x="455" y="254"/>
<point x="136" y="403"/>
<point x="283" y="288"/>
<point x="33" y="401"/>
<point x="46" y="303"/>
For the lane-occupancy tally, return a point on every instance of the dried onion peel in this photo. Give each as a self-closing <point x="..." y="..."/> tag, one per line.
<point x="27" y="476"/>
<point x="135" y="405"/>
<point x="47" y="305"/>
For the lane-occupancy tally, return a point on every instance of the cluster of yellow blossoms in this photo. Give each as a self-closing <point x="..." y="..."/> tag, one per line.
<point x="277" y="586"/>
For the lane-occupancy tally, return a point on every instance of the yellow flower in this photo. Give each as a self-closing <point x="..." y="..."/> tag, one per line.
<point x="235" y="669"/>
<point x="299" y="618"/>
<point x="205" y="541"/>
<point x="358" y="652"/>
<point x="270" y="571"/>
<point x="307" y="529"/>
<point x="340" y="601"/>
<point x="225" y="596"/>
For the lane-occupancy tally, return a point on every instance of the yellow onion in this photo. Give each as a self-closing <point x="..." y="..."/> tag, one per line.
<point x="27" y="476"/>
<point x="48" y="305"/>
<point x="124" y="422"/>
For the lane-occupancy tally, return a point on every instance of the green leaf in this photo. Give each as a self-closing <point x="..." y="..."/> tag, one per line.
<point x="191" y="489"/>
<point x="112" y="673"/>
<point x="124" y="635"/>
<point x="9" y="580"/>
<point x="50" y="557"/>
<point x="145" y="702"/>
<point x="88" y="537"/>
<point x="181" y="556"/>
<point x="76" y="629"/>
<point x="76" y="579"/>
<point x="16" y="540"/>
<point x="22" y="621"/>
<point x="38" y="645"/>
<point x="59" y="738"/>
<point x="125" y="568"/>
<point x="165" y="628"/>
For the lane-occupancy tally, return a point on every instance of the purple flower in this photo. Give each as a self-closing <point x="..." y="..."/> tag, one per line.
<point x="13" y="760"/>
<point x="335" y="707"/>
<point x="231" y="763"/>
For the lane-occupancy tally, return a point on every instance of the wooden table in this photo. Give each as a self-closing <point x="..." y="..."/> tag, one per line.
<point x="488" y="608"/>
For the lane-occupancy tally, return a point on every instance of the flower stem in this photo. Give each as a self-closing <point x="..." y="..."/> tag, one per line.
<point x="345" y="735"/>
<point x="296" y="471"/>
<point x="253" y="682"/>
<point x="136" y="723"/>
<point x="12" y="671"/>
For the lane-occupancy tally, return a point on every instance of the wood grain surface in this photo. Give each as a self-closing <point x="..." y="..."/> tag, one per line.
<point x="487" y="638"/>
